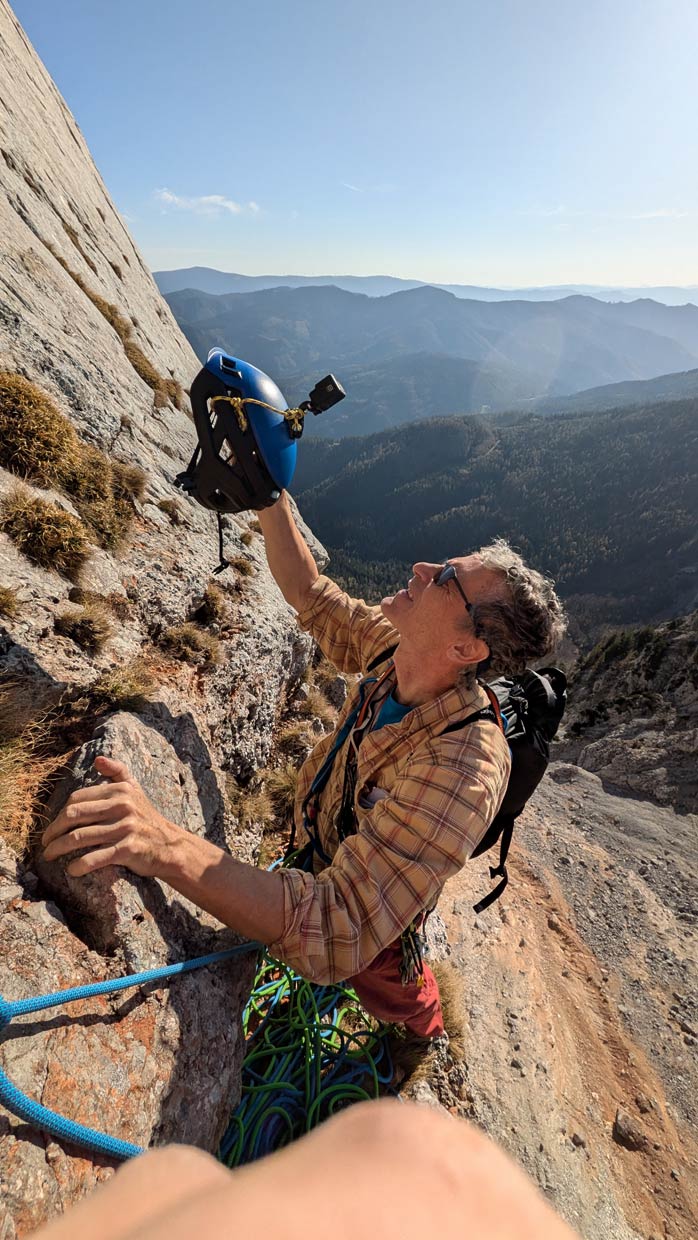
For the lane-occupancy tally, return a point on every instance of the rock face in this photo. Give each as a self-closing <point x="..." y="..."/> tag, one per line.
<point x="161" y="1065"/>
<point x="633" y="716"/>
<point x="579" y="1001"/>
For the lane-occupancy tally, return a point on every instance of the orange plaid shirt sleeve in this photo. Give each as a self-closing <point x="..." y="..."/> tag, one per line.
<point x="439" y="794"/>
<point x="347" y="630"/>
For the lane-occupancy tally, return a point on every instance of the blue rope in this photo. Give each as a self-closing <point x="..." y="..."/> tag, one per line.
<point x="50" y="1121"/>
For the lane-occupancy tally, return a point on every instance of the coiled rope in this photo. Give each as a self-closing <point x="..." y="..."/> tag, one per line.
<point x="309" y="1054"/>
<point x="306" y="1058"/>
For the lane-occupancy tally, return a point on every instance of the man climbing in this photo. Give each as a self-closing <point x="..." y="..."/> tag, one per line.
<point x="393" y="802"/>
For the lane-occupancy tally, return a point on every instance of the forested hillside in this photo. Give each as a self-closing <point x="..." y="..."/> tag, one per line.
<point x="606" y="503"/>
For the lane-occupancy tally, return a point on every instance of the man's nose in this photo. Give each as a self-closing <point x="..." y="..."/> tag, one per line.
<point x="425" y="571"/>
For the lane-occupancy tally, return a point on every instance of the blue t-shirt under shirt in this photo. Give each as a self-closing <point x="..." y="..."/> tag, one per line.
<point x="390" y="712"/>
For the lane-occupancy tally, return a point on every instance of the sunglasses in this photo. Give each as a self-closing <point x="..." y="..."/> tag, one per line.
<point x="448" y="573"/>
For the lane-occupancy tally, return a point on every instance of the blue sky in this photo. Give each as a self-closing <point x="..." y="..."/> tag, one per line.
<point x="504" y="142"/>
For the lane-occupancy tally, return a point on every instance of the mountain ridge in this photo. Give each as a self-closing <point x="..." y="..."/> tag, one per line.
<point x="212" y="280"/>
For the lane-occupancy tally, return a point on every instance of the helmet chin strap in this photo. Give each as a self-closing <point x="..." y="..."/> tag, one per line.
<point x="223" y="564"/>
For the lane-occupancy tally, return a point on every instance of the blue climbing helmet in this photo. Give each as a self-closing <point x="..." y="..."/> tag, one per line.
<point x="246" y="454"/>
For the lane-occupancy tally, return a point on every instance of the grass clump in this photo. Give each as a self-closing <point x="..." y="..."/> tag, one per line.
<point x="48" y="535"/>
<point x="315" y="706"/>
<point x="89" y="479"/>
<point x="214" y="607"/>
<point x="117" y="603"/>
<point x="124" y="688"/>
<point x="246" y="538"/>
<point x="172" y="510"/>
<point x="192" y="644"/>
<point x="251" y="806"/>
<point x="35" y="437"/>
<point x="242" y="565"/>
<point x="22" y="771"/>
<point x="37" y="441"/>
<point x="89" y="627"/>
<point x="295" y="740"/>
<point x="9" y="605"/>
<point x="281" y="786"/>
<point x="255" y="526"/>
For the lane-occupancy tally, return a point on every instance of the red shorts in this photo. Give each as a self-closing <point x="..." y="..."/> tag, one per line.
<point x="380" y="989"/>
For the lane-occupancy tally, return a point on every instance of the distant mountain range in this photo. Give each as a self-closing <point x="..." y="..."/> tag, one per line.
<point x="605" y="502"/>
<point x="424" y="351"/>
<point x="208" y="280"/>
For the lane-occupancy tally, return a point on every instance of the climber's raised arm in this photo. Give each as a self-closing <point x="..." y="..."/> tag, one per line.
<point x="292" y="565"/>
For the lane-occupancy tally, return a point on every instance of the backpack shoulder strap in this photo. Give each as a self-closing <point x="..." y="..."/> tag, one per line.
<point x="380" y="658"/>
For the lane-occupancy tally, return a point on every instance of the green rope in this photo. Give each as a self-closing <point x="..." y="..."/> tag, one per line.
<point x="306" y="1059"/>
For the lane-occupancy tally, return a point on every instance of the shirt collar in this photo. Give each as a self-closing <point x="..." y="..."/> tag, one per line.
<point x="456" y="703"/>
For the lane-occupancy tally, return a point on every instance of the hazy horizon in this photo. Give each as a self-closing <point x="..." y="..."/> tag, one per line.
<point x="499" y="146"/>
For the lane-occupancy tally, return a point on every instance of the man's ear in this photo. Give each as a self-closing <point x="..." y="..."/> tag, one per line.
<point x="473" y="650"/>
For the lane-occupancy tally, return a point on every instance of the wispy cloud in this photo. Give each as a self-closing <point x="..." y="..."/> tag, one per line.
<point x="383" y="187"/>
<point x="663" y="213"/>
<point x="563" y="213"/>
<point x="205" y="204"/>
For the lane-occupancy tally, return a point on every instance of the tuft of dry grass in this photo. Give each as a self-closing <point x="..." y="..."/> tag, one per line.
<point x="37" y="441"/>
<point x="128" y="480"/>
<point x="192" y="644"/>
<point x="453" y="1004"/>
<point x="117" y="603"/>
<point x="22" y="770"/>
<point x="214" y="608"/>
<point x="35" y="437"/>
<point x="142" y="365"/>
<point x="18" y="786"/>
<point x="175" y="392"/>
<point x="89" y="627"/>
<point x="171" y="509"/>
<point x="9" y="605"/>
<point x="242" y="565"/>
<point x="281" y="785"/>
<point x="251" y="806"/>
<point x="124" y="688"/>
<point x="295" y="740"/>
<point x="246" y="538"/>
<point x="45" y="533"/>
<point x="89" y="480"/>
<point x="255" y="526"/>
<point x="325" y="674"/>
<point x="316" y="706"/>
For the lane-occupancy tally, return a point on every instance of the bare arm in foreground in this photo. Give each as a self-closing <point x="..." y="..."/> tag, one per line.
<point x="379" y="1169"/>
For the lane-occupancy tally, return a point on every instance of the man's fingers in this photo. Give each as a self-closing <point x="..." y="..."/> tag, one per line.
<point x="92" y="791"/>
<point x="96" y="860"/>
<point x="84" y="837"/>
<point x="111" y="768"/>
<point x="82" y="812"/>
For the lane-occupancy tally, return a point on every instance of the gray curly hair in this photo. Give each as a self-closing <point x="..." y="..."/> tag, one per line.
<point x="524" y="622"/>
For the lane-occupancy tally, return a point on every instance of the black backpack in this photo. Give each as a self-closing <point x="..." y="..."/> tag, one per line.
<point x="531" y="708"/>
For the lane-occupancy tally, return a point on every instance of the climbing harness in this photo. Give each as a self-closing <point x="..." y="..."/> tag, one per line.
<point x="247" y="436"/>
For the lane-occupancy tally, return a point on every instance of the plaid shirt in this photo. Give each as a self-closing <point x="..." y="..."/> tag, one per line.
<point x="432" y="798"/>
